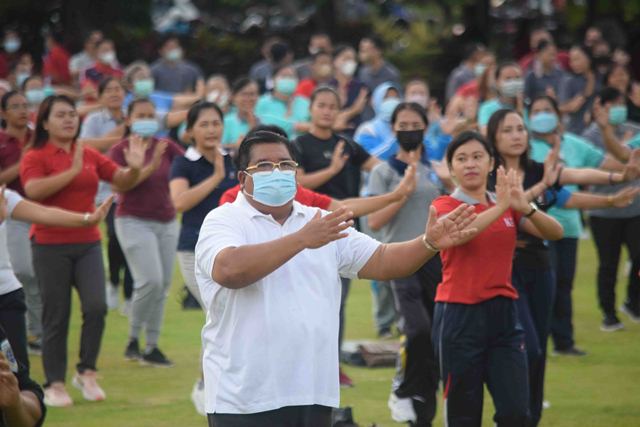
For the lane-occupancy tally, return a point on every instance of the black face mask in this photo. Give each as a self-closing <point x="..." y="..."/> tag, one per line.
<point x="410" y="140"/>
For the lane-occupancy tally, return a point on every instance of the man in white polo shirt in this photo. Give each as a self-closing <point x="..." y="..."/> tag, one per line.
<point x="269" y="269"/>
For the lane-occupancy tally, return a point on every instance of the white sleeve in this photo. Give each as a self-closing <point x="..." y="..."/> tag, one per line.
<point x="354" y="251"/>
<point x="220" y="230"/>
<point x="12" y="199"/>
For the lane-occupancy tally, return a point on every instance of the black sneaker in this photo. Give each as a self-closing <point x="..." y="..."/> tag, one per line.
<point x="133" y="350"/>
<point x="156" y="358"/>
<point x="611" y="323"/>
<point x="571" y="351"/>
<point x="632" y="312"/>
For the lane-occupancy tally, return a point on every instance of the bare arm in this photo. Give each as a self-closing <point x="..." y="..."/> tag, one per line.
<point x="29" y="211"/>
<point x="589" y="176"/>
<point x="175" y="118"/>
<point x="380" y="218"/>
<point x="41" y="188"/>
<point x="185" y="197"/>
<point x="19" y="408"/>
<point x="582" y="200"/>
<point x="316" y="179"/>
<point x="9" y="174"/>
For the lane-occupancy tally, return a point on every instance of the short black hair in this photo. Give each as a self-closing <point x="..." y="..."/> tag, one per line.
<point x="320" y="53"/>
<point x="504" y="65"/>
<point x="167" y="38"/>
<point x="240" y="83"/>
<point x="376" y="40"/>
<point x="323" y="89"/>
<point x="341" y="48"/>
<point x="105" y="82"/>
<point x="268" y="128"/>
<point x="28" y="79"/>
<point x="415" y="107"/>
<point x="194" y="112"/>
<point x="464" y="138"/>
<point x="137" y="101"/>
<point x="552" y="101"/>
<point x="471" y="49"/>
<point x="256" y="138"/>
<point x="609" y="94"/>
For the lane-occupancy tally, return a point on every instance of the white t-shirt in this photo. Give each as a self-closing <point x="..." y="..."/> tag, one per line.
<point x="273" y="343"/>
<point x="8" y="280"/>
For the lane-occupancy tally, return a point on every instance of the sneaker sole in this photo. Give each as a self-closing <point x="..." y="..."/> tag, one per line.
<point x="611" y="328"/>
<point x="77" y="385"/>
<point x="132" y="358"/>
<point x="155" y="365"/>
<point x="634" y="318"/>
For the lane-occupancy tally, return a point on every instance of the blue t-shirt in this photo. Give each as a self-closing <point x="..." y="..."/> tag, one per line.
<point x="196" y="171"/>
<point x="234" y="128"/>
<point x="273" y="111"/>
<point x="487" y="108"/>
<point x="575" y="152"/>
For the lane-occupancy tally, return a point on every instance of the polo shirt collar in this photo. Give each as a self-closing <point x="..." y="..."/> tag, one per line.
<point x="463" y="197"/>
<point x="243" y="203"/>
<point x="192" y="154"/>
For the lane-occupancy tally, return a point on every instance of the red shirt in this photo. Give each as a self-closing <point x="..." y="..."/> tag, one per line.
<point x="77" y="196"/>
<point x="562" y="59"/>
<point x="150" y="199"/>
<point x="305" y="88"/>
<point x="469" y="89"/>
<point x="303" y="196"/>
<point x="56" y="66"/>
<point x="480" y="269"/>
<point x="10" y="153"/>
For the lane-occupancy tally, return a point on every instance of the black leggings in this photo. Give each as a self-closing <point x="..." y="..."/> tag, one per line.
<point x="116" y="257"/>
<point x="289" y="416"/>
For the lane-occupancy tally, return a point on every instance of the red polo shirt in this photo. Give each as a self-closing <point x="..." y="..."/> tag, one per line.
<point x="77" y="196"/>
<point x="303" y="196"/>
<point x="480" y="269"/>
<point x="10" y="153"/>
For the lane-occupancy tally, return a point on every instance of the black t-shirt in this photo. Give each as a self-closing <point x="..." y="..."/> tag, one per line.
<point x="314" y="154"/>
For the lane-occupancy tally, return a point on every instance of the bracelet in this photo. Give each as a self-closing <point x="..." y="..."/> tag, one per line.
<point x="86" y="217"/>
<point x="429" y="245"/>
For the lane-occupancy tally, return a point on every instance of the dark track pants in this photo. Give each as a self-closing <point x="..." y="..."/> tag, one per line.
<point x="289" y="416"/>
<point x="563" y="257"/>
<point x="477" y="344"/>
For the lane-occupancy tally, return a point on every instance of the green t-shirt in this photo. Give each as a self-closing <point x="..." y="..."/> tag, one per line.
<point x="273" y="111"/>
<point x="234" y="128"/>
<point x="575" y="152"/>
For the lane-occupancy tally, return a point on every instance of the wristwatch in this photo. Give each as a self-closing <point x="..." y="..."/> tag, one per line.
<point x="534" y="209"/>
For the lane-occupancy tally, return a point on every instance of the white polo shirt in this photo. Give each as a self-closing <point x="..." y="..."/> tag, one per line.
<point x="8" y="280"/>
<point x="273" y="343"/>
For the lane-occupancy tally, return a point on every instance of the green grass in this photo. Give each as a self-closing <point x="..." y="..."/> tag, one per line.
<point x="601" y="389"/>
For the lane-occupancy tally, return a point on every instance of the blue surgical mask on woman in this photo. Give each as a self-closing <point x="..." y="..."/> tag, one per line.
<point x="143" y="87"/>
<point x="145" y="127"/>
<point x="286" y="85"/>
<point x="479" y="68"/>
<point x="617" y="114"/>
<point x="35" y="96"/>
<point x="273" y="189"/>
<point x="387" y="107"/>
<point x="543" y="122"/>
<point x="511" y="88"/>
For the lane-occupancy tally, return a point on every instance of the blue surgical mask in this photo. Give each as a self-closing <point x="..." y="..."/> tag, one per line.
<point x="35" y="96"/>
<point x="617" y="114"/>
<point x="286" y="85"/>
<point x="145" y="127"/>
<point x="512" y="88"/>
<point x="11" y="45"/>
<point x="478" y="69"/>
<point x="273" y="189"/>
<point x="21" y="77"/>
<point x="143" y="87"/>
<point x="543" y="122"/>
<point x="48" y="91"/>
<point x="387" y="107"/>
<point x="174" y="54"/>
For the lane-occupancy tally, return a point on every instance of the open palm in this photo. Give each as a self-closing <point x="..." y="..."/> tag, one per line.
<point x="452" y="229"/>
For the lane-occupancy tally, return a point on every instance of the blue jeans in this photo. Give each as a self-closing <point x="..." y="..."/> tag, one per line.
<point x="563" y="258"/>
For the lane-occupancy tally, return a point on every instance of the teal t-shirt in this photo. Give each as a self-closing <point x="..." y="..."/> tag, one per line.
<point x="487" y="108"/>
<point x="634" y="142"/>
<point x="273" y="111"/>
<point x="234" y="128"/>
<point x="575" y="152"/>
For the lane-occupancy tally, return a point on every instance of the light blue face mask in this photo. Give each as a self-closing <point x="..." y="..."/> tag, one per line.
<point x="21" y="77"/>
<point x="273" y="189"/>
<point x="286" y="85"/>
<point x="12" y="45"/>
<point x="35" y="96"/>
<point x="143" y="87"/>
<point x="617" y="114"/>
<point x="387" y="107"/>
<point x="145" y="127"/>
<point x="543" y="122"/>
<point x="478" y="69"/>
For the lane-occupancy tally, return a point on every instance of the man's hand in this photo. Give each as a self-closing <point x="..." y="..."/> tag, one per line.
<point x="9" y="391"/>
<point x="450" y="229"/>
<point x="322" y="230"/>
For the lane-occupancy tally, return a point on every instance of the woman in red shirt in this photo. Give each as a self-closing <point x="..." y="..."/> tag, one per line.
<point x="477" y="335"/>
<point x="58" y="171"/>
<point x="147" y="229"/>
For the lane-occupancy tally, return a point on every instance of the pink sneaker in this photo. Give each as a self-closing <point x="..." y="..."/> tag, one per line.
<point x="56" y="395"/>
<point x="86" y="382"/>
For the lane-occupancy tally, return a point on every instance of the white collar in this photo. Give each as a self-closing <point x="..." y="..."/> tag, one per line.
<point x="242" y="202"/>
<point x="192" y="154"/>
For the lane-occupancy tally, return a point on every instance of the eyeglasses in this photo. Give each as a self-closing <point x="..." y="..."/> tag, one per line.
<point x="283" y="166"/>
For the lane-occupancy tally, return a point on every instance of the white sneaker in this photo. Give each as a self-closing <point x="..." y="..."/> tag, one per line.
<point x="197" y="397"/>
<point x="86" y="382"/>
<point x="401" y="409"/>
<point x="56" y="396"/>
<point x="112" y="296"/>
<point x="546" y="404"/>
<point x="125" y="309"/>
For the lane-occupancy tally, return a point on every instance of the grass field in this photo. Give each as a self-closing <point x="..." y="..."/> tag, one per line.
<point x="602" y="389"/>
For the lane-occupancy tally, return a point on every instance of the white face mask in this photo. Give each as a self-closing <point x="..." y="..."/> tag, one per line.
<point x="108" y="57"/>
<point x="219" y="98"/>
<point x="421" y="100"/>
<point x="348" y="67"/>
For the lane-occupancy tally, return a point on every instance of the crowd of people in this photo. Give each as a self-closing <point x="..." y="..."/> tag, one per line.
<point x="276" y="188"/>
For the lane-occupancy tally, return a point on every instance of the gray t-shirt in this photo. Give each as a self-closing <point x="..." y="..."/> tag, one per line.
<point x="386" y="73"/>
<point x="593" y="134"/>
<point x="8" y="280"/>
<point x="175" y="77"/>
<point x="411" y="219"/>
<point x="572" y="86"/>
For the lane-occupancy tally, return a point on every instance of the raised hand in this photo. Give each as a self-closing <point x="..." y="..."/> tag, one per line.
<point x="624" y="197"/>
<point x="407" y="185"/>
<point x="101" y="211"/>
<point x="503" y="191"/>
<point x="158" y="152"/>
<point x="551" y="166"/>
<point x="517" y="195"/>
<point x="78" y="155"/>
<point x="218" y="165"/>
<point x="135" y="153"/>
<point x="631" y="170"/>
<point x="600" y="114"/>
<point x="338" y="159"/>
<point x="451" y="229"/>
<point x="325" y="229"/>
